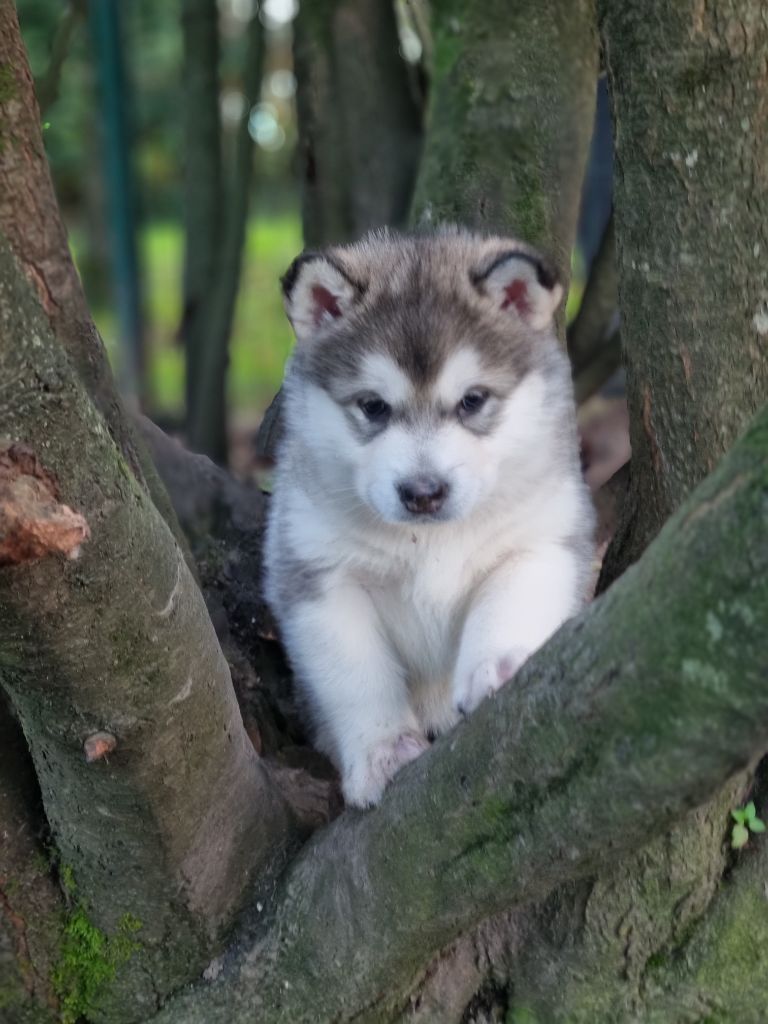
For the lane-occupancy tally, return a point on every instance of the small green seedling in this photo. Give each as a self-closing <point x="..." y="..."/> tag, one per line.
<point x="746" y="821"/>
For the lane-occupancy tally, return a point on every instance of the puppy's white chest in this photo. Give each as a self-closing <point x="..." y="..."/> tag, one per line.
<point x="423" y="602"/>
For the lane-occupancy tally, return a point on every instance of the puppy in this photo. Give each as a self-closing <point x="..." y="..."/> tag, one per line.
<point x="429" y="527"/>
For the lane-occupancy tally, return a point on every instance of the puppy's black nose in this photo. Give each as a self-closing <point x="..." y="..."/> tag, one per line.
<point x="423" y="494"/>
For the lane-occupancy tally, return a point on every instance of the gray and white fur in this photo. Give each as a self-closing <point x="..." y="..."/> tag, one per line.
<point x="429" y="527"/>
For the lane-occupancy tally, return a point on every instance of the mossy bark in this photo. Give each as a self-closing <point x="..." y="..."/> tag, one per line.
<point x="171" y="824"/>
<point x="625" y="723"/>
<point x="682" y="158"/>
<point x="510" y="118"/>
<point x="689" y="82"/>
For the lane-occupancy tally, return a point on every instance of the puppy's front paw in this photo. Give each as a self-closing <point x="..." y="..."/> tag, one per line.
<point x="472" y="687"/>
<point x="364" y="777"/>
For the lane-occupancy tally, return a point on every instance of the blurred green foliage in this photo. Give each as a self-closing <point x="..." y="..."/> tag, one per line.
<point x="261" y="338"/>
<point x="153" y="46"/>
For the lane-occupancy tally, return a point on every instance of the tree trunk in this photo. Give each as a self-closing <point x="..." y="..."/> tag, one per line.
<point x="510" y="119"/>
<point x="359" y="119"/>
<point x="157" y="803"/>
<point x="207" y="417"/>
<point x="688" y="83"/>
<point x="203" y="178"/>
<point x="47" y="86"/>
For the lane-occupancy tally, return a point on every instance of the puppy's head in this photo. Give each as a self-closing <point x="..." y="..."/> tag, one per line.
<point x="419" y="374"/>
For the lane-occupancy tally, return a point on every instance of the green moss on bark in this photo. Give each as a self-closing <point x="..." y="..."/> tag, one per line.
<point x="89" y="962"/>
<point x="511" y="108"/>
<point x="7" y="84"/>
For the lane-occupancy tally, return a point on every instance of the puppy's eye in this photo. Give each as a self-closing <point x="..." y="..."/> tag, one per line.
<point x="473" y="401"/>
<point x="374" y="409"/>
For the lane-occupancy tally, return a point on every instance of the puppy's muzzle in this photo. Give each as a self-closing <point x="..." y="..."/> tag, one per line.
<point x="423" y="495"/>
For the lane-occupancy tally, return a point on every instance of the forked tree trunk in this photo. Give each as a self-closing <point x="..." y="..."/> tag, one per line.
<point x="552" y="859"/>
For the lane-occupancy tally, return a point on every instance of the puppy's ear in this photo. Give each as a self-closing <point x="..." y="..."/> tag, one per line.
<point x="523" y="283"/>
<point x="316" y="291"/>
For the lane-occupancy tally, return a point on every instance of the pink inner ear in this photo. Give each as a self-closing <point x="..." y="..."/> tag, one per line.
<point x="516" y="294"/>
<point x="324" y="302"/>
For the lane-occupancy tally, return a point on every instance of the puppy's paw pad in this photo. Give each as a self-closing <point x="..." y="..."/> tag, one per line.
<point x="489" y="676"/>
<point x="363" y="784"/>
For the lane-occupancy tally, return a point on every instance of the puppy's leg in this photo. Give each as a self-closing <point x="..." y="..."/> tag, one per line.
<point x="517" y="608"/>
<point x="356" y="689"/>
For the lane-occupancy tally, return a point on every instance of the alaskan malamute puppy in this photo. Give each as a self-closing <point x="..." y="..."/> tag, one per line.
<point x="429" y="527"/>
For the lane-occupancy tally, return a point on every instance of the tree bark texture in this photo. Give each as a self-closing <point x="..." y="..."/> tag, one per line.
<point x="619" y="927"/>
<point x="359" y="119"/>
<point x="31" y="222"/>
<point x="689" y="85"/>
<point x="649" y="907"/>
<point x="510" y="119"/>
<point x="203" y="177"/>
<point x="167" y="820"/>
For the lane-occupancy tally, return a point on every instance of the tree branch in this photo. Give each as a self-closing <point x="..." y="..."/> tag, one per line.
<point x="224" y="519"/>
<point x="634" y="713"/>
<point x="118" y="641"/>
